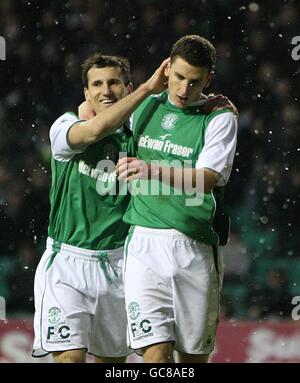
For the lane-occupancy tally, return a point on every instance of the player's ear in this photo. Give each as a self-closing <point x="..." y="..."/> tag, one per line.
<point x="129" y="88"/>
<point x="167" y="69"/>
<point x="86" y="94"/>
<point x="210" y="78"/>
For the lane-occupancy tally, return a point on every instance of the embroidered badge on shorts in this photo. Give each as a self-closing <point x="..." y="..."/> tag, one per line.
<point x="141" y="328"/>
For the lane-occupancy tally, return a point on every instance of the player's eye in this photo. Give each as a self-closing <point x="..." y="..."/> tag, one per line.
<point x="195" y="82"/>
<point x="114" y="82"/>
<point x="179" y="76"/>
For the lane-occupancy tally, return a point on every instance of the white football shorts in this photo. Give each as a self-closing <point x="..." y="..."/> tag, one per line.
<point x="172" y="290"/>
<point x="79" y="302"/>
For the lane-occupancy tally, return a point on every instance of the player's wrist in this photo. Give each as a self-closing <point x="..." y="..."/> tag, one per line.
<point x="146" y="89"/>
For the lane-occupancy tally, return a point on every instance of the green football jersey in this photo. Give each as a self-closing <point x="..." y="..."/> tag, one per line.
<point x="164" y="132"/>
<point x="86" y="206"/>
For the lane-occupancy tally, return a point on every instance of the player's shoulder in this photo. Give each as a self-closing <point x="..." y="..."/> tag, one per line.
<point x="222" y="116"/>
<point x="62" y="124"/>
<point x="65" y="120"/>
<point x="222" y="122"/>
<point x="66" y="117"/>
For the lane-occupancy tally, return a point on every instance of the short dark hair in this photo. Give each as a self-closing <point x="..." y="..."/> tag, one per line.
<point x="196" y="50"/>
<point x="102" y="61"/>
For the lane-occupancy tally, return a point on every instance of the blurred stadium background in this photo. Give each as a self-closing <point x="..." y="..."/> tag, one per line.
<point x="46" y="41"/>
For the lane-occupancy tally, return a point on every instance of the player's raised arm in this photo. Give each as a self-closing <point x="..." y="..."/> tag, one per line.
<point x="107" y="89"/>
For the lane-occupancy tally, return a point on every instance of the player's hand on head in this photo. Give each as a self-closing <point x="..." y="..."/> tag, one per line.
<point x="130" y="168"/>
<point x="219" y="102"/>
<point x="159" y="81"/>
<point x="86" y="111"/>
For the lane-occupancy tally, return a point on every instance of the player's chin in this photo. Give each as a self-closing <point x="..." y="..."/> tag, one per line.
<point x="106" y="106"/>
<point x="182" y="104"/>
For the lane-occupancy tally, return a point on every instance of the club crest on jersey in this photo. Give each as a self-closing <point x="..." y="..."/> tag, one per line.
<point x="169" y="121"/>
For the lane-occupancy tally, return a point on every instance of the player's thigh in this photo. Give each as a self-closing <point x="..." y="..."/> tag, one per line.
<point x="148" y="304"/>
<point x="196" y="299"/>
<point x="67" y="307"/>
<point x="70" y="356"/>
<point x="109" y="323"/>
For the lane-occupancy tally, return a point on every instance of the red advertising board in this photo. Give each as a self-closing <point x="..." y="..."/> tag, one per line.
<point x="241" y="342"/>
<point x="16" y="338"/>
<point x="253" y="342"/>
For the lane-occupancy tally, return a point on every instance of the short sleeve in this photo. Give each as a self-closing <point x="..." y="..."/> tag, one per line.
<point x="220" y="144"/>
<point x="60" y="147"/>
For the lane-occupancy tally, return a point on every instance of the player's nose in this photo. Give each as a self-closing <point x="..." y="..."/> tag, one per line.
<point x="106" y="89"/>
<point x="184" y="89"/>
